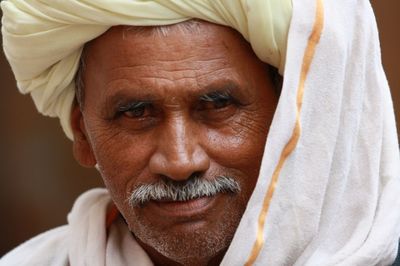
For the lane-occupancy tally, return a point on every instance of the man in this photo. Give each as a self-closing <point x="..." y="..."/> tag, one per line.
<point x="175" y="118"/>
<point x="155" y="117"/>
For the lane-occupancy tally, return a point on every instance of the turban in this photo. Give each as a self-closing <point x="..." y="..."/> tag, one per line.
<point x="329" y="183"/>
<point x="57" y="31"/>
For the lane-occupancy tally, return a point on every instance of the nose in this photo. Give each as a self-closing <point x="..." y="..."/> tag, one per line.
<point x="179" y="154"/>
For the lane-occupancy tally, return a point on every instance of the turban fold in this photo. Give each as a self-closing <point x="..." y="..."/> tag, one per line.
<point x="56" y="31"/>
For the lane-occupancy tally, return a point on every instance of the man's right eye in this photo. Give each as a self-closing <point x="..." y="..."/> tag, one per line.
<point x="134" y="110"/>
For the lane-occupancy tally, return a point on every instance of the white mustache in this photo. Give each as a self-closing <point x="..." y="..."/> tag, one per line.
<point x="193" y="188"/>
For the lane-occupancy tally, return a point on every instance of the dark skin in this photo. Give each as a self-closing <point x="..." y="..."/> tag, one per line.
<point x="170" y="106"/>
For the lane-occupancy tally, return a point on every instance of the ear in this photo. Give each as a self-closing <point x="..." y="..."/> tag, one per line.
<point x="82" y="149"/>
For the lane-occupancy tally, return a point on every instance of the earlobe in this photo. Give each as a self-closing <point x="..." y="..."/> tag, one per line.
<point x="82" y="149"/>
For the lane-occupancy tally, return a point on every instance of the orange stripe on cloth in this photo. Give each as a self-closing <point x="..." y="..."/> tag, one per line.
<point x="313" y="40"/>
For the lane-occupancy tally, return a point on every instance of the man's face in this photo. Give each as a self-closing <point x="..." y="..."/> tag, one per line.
<point x="171" y="107"/>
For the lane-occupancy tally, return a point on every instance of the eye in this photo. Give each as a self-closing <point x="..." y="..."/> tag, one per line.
<point x="135" y="110"/>
<point x="216" y="107"/>
<point x="221" y="103"/>
<point x="216" y="100"/>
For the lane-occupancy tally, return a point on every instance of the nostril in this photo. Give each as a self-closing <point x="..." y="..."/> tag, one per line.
<point x="191" y="177"/>
<point x="195" y="175"/>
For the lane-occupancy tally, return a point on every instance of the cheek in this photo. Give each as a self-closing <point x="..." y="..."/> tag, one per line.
<point x="240" y="144"/>
<point x="122" y="159"/>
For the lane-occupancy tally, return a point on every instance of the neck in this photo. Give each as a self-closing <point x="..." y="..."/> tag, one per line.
<point x="160" y="260"/>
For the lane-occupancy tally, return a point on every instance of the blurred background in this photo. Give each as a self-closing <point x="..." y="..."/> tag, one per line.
<point x="39" y="179"/>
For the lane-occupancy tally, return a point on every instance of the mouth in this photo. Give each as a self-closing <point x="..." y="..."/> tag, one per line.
<point x="182" y="209"/>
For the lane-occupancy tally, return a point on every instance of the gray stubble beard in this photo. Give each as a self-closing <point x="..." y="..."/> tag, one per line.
<point x="200" y="245"/>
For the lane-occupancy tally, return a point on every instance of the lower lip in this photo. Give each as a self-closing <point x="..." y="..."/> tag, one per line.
<point x="184" y="208"/>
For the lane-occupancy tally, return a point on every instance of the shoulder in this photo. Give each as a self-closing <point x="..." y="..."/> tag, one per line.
<point x="52" y="247"/>
<point x="48" y="248"/>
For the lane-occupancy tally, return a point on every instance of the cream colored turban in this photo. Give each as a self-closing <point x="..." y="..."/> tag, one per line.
<point x="43" y="40"/>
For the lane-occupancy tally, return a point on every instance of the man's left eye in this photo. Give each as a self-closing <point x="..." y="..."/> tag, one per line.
<point x="218" y="103"/>
<point x="217" y="107"/>
<point x="221" y="103"/>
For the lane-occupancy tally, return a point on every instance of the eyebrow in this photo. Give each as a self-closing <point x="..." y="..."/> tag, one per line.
<point x="214" y="91"/>
<point x="219" y="89"/>
<point x="215" y="95"/>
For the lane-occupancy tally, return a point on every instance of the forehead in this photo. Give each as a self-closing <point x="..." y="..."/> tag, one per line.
<point x="176" y="59"/>
<point x="189" y="40"/>
<point x="189" y="28"/>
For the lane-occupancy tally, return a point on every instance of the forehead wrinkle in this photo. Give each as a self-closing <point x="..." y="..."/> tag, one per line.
<point x="168" y="78"/>
<point x="175" y="29"/>
<point x="178" y="70"/>
<point x="125" y="49"/>
<point x="189" y="58"/>
<point x="169" y="63"/>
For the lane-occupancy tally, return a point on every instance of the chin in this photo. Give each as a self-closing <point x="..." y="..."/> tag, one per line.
<point x="204" y="235"/>
<point x="189" y="241"/>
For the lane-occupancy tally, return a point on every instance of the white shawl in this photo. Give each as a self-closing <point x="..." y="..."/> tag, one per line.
<point x="328" y="192"/>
